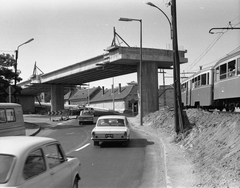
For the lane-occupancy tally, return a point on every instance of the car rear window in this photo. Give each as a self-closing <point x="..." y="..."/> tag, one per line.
<point x="87" y="112"/>
<point x="111" y="122"/>
<point x="6" y="166"/>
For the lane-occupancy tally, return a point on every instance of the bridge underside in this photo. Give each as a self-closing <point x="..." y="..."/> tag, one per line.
<point x="116" y="62"/>
<point x="100" y="73"/>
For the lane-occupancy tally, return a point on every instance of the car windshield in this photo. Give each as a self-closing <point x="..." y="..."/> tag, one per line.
<point x="6" y="165"/>
<point x="110" y="122"/>
<point x="87" y="113"/>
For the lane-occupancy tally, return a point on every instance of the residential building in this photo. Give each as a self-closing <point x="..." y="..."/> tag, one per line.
<point x="166" y="96"/>
<point x="119" y="99"/>
<point x="80" y="96"/>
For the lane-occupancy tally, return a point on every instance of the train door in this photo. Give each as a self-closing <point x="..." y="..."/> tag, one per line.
<point x="189" y="89"/>
<point x="183" y="93"/>
<point x="186" y="89"/>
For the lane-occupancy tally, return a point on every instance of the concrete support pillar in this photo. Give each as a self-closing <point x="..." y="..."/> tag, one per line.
<point x="150" y="101"/>
<point x="57" y="97"/>
<point x="27" y="102"/>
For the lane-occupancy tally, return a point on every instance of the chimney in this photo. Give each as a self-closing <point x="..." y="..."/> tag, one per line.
<point x="103" y="90"/>
<point x="119" y="88"/>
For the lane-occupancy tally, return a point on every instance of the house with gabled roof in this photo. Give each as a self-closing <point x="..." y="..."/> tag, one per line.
<point x="119" y="99"/>
<point x="81" y="96"/>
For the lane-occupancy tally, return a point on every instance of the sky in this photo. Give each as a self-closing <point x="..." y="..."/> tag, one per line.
<point x="66" y="32"/>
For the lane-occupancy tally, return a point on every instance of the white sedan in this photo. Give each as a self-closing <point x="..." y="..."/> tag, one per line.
<point x="111" y="128"/>
<point x="36" y="162"/>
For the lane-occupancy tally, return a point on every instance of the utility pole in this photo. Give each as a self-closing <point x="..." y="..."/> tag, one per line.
<point x="180" y="124"/>
<point x="178" y="120"/>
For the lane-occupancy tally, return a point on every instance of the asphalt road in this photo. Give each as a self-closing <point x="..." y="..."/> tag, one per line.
<point x="109" y="166"/>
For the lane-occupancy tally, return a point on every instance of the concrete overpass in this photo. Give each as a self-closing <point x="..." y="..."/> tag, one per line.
<point x="116" y="61"/>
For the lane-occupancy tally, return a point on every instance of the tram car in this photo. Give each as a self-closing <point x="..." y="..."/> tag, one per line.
<point x="216" y="87"/>
<point x="227" y="82"/>
<point x="197" y="90"/>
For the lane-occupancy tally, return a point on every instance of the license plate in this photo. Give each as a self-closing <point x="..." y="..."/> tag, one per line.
<point x="108" y="135"/>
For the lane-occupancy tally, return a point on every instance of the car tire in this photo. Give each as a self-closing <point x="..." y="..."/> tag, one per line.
<point x="75" y="183"/>
<point x="95" y="143"/>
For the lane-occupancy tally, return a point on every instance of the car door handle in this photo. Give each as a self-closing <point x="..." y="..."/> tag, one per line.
<point x="51" y="173"/>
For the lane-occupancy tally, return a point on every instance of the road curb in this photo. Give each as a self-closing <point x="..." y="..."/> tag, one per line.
<point x="156" y="159"/>
<point x="36" y="130"/>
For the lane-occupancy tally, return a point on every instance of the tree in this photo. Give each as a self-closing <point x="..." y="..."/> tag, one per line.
<point x="7" y="75"/>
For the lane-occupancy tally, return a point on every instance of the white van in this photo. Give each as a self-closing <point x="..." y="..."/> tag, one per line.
<point x="11" y="120"/>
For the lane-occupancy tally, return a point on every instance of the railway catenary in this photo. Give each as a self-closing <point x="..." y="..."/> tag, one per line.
<point x="215" y="87"/>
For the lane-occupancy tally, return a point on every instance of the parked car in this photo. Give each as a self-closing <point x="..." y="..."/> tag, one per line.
<point x="11" y="120"/>
<point x="112" y="128"/>
<point x="86" y="116"/>
<point x="36" y="162"/>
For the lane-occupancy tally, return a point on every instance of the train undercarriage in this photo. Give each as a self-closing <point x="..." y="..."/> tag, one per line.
<point x="228" y="104"/>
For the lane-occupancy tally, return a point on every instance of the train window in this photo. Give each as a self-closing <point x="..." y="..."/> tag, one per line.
<point x="184" y="86"/>
<point x="217" y="75"/>
<point x="193" y="85"/>
<point x="231" y="68"/>
<point x="195" y="82"/>
<point x="207" y="81"/>
<point x="238" y="64"/>
<point x="199" y="80"/>
<point x="223" y="71"/>
<point x="203" y="79"/>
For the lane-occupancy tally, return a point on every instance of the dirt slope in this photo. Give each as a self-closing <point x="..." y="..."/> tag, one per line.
<point x="213" y="144"/>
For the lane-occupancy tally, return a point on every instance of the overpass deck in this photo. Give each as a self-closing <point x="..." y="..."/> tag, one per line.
<point x="116" y="61"/>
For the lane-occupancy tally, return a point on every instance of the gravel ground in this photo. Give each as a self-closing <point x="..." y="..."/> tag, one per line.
<point x="205" y="156"/>
<point x="177" y="167"/>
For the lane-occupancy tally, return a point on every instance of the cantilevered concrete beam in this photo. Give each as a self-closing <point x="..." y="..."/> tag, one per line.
<point x="116" y="61"/>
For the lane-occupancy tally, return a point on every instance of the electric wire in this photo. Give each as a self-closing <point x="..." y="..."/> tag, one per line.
<point x="220" y="34"/>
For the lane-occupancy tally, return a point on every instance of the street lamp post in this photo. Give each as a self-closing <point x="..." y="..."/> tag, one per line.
<point x="171" y="31"/>
<point x="16" y="58"/>
<point x="179" y="121"/>
<point x="113" y="97"/>
<point x="140" y="65"/>
<point x="88" y="101"/>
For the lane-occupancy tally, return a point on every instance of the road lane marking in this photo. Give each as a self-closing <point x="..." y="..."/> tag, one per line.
<point x="83" y="147"/>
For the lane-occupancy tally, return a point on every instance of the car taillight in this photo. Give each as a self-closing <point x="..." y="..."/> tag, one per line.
<point x="125" y="134"/>
<point x="93" y="133"/>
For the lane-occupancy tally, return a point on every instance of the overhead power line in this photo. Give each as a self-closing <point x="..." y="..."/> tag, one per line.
<point x="220" y="34"/>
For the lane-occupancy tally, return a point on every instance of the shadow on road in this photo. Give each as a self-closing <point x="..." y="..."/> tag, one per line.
<point x="49" y="126"/>
<point x="133" y="143"/>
